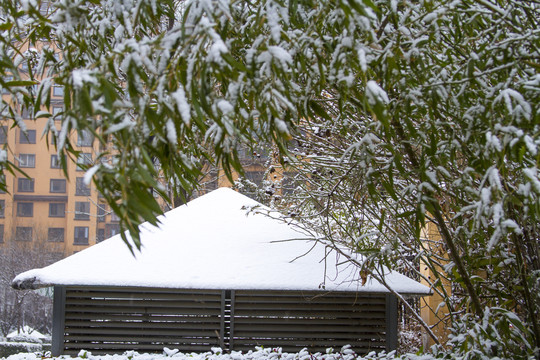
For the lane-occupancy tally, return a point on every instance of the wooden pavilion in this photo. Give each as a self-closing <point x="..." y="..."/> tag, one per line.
<point x="215" y="273"/>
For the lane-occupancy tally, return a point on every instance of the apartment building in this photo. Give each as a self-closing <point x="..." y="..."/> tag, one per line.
<point x="42" y="204"/>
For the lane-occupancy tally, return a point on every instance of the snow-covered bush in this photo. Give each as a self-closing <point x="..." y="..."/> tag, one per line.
<point x="499" y="334"/>
<point x="11" y="348"/>
<point x="26" y="338"/>
<point x="410" y="338"/>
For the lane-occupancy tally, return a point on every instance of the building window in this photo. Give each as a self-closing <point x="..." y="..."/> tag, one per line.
<point x="81" y="235"/>
<point x="25" y="209"/>
<point x="114" y="217"/>
<point x="58" y="90"/>
<point x="101" y="212"/>
<point x="82" y="210"/>
<point x="111" y="230"/>
<point x="81" y="188"/>
<point x="56" y="235"/>
<point x="57" y="112"/>
<point x="25" y="185"/>
<point x="1" y="233"/>
<point x="3" y="134"/>
<point x="58" y="185"/>
<point x="2" y="208"/>
<point x="27" y="160"/>
<point x="85" y="138"/>
<point x="57" y="209"/>
<point x="27" y="137"/>
<point x="27" y="113"/>
<point x="100" y="235"/>
<point x="84" y="159"/>
<point x="55" y="162"/>
<point x="23" y="233"/>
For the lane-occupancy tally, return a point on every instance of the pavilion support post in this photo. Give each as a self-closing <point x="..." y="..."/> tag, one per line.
<point x="222" y="322"/>
<point x="59" y="316"/>
<point x="391" y="323"/>
<point x="231" y="326"/>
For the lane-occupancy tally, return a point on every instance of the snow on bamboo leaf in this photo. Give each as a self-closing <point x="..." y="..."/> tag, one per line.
<point x="182" y="104"/>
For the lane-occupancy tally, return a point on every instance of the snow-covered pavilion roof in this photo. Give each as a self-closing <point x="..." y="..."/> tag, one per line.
<point x="214" y="242"/>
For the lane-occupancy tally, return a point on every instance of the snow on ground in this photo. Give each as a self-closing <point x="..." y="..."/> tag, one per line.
<point x="215" y="354"/>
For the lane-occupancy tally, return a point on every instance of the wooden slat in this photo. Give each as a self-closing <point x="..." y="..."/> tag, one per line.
<point x="145" y="324"/>
<point x="309" y="306"/>
<point x="200" y="297"/>
<point x="139" y="290"/>
<point x="312" y="328"/>
<point x="138" y="339"/>
<point x="104" y="349"/>
<point x="299" y="335"/>
<point x="138" y="303"/>
<point x="295" y="343"/>
<point x="142" y="310"/>
<point x="141" y="317"/>
<point x="309" y="294"/>
<point x="309" y="314"/>
<point x="127" y="332"/>
<point x="305" y="321"/>
<point x="319" y="300"/>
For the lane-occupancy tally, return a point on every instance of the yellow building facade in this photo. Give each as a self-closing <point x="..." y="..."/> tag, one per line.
<point x="433" y="309"/>
<point x="41" y="204"/>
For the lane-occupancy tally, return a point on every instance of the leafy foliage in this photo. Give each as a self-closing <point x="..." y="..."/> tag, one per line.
<point x="394" y="114"/>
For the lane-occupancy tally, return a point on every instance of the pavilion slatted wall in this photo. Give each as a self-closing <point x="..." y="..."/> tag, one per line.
<point x="108" y="320"/>
<point x="294" y="320"/>
<point x="114" y="320"/>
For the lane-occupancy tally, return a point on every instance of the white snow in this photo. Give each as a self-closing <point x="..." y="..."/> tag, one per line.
<point x="89" y="174"/>
<point x="375" y="94"/>
<point x="274" y="52"/>
<point x="82" y="76"/>
<point x="258" y="353"/>
<point x="515" y="103"/>
<point x="28" y="332"/>
<point x="183" y="106"/>
<point x="532" y="175"/>
<point x="213" y="243"/>
<point x="127" y="122"/>
<point x="3" y="155"/>
<point x="362" y="59"/>
<point x="215" y="51"/>
<point x="224" y="106"/>
<point x="171" y="132"/>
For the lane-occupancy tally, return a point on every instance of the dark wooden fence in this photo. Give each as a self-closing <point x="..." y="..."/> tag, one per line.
<point x="113" y="320"/>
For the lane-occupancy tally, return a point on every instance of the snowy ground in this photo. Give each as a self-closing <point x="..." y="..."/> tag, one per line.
<point x="215" y="354"/>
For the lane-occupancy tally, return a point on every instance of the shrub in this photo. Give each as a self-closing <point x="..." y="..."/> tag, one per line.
<point x="11" y="348"/>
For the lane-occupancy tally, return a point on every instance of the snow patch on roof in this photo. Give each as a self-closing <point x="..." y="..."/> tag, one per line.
<point x="215" y="242"/>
